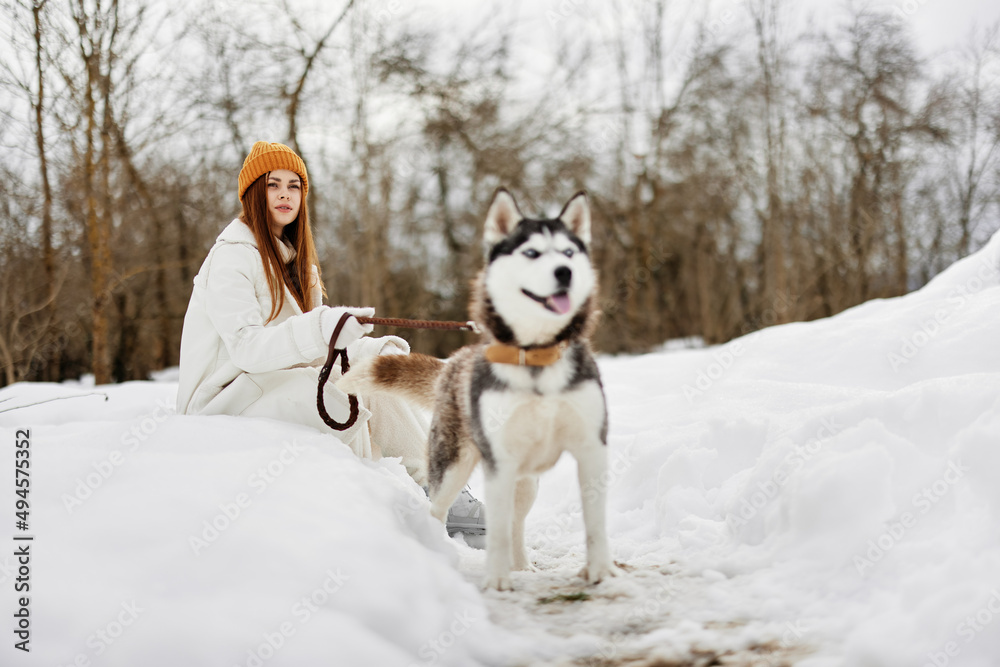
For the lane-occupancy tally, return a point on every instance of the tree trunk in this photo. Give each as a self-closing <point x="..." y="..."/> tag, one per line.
<point x="48" y="258"/>
<point x="97" y="235"/>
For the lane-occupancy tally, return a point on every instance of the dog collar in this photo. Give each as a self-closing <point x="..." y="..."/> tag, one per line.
<point x="498" y="353"/>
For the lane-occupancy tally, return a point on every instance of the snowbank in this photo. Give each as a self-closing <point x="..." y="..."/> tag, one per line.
<point x="173" y="540"/>
<point x="818" y="493"/>
<point x="839" y="473"/>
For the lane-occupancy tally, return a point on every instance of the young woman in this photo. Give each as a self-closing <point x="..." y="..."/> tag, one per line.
<point x="256" y="331"/>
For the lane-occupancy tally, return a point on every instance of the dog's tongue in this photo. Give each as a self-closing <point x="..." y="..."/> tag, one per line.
<point x="560" y="303"/>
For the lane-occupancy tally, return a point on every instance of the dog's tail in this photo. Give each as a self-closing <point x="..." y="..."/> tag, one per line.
<point x="410" y="376"/>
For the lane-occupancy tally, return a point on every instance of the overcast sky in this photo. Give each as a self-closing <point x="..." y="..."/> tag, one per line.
<point x="937" y="24"/>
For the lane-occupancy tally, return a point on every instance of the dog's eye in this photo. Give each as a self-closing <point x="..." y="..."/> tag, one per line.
<point x="568" y="252"/>
<point x="531" y="253"/>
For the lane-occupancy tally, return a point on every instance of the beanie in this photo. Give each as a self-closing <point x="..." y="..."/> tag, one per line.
<point x="265" y="157"/>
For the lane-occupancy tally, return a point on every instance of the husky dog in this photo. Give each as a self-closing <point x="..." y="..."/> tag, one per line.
<point x="525" y="395"/>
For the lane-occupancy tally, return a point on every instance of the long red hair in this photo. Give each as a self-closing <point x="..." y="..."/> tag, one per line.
<point x="296" y="275"/>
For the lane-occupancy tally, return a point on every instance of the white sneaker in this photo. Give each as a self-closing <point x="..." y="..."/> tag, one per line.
<point x="466" y="515"/>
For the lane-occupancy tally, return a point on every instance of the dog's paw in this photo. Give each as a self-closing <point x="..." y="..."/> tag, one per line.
<point x="526" y="566"/>
<point x="594" y="573"/>
<point x="497" y="582"/>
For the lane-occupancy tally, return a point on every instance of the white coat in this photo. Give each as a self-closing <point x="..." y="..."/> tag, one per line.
<point x="232" y="363"/>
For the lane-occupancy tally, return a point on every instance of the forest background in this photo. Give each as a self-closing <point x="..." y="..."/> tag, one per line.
<point x="746" y="167"/>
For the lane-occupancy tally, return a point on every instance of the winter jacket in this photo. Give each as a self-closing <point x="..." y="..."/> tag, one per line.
<point x="228" y="353"/>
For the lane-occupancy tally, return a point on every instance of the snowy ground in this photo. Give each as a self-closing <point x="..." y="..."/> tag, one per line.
<point x="812" y="494"/>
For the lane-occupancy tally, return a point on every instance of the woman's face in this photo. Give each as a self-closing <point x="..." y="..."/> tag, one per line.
<point x="284" y="197"/>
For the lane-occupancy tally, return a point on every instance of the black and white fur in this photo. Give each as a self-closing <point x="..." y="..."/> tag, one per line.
<point x="538" y="289"/>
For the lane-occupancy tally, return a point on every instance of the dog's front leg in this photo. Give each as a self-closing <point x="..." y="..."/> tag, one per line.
<point x="591" y="464"/>
<point x="454" y="478"/>
<point x="500" y="507"/>
<point x="524" y="497"/>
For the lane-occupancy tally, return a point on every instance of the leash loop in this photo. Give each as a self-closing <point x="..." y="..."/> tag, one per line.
<point x="324" y="375"/>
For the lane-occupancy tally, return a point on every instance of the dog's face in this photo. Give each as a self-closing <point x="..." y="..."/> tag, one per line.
<point x="539" y="274"/>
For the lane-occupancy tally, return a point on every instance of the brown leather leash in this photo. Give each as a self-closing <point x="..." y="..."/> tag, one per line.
<point x="420" y="324"/>
<point x="345" y="366"/>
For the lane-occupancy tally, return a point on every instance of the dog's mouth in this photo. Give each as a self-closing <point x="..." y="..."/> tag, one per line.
<point x="558" y="303"/>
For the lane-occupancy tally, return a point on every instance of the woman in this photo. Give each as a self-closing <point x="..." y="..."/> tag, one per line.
<point x="256" y="331"/>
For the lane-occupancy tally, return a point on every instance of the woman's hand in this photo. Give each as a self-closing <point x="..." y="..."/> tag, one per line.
<point x="352" y="330"/>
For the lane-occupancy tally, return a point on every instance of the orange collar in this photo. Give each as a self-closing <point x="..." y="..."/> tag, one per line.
<point x="499" y="353"/>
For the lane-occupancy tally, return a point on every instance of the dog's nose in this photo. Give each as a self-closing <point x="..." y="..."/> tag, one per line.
<point x="563" y="275"/>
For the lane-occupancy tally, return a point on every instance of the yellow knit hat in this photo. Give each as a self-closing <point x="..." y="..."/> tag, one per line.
<point x="265" y="157"/>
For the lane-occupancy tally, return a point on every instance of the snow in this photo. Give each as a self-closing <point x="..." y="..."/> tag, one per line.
<point x="814" y="494"/>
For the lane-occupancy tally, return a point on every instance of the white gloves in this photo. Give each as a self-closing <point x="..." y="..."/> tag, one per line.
<point x="394" y="345"/>
<point x="352" y="330"/>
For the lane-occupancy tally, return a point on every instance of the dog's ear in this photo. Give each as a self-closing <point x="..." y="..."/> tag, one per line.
<point x="502" y="217"/>
<point x="576" y="215"/>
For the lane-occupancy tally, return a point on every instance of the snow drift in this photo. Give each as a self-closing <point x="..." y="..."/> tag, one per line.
<point x="815" y="493"/>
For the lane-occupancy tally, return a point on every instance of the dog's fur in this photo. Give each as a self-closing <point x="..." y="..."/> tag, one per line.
<point x="538" y="289"/>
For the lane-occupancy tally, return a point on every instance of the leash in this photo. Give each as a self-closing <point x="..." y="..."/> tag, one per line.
<point x="345" y="365"/>
<point x="421" y="324"/>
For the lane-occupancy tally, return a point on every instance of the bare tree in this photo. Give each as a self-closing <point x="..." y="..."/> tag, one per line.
<point x="775" y="232"/>
<point x="308" y="54"/>
<point x="864" y="88"/>
<point x="728" y="196"/>
<point x="975" y="185"/>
